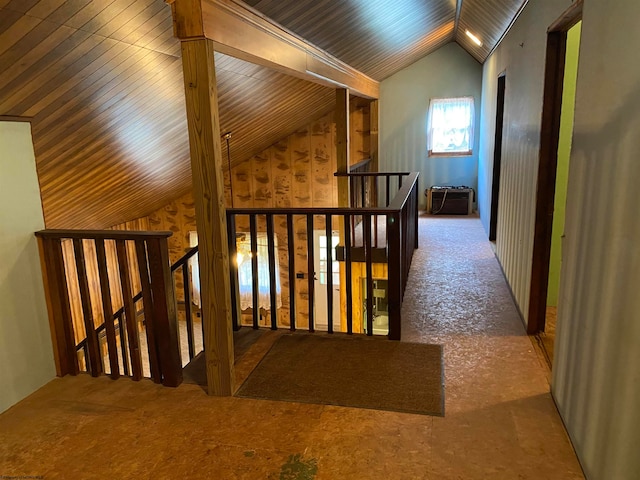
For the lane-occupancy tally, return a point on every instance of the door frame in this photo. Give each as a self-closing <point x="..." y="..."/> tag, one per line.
<point x="548" y="161"/>
<point x="497" y="156"/>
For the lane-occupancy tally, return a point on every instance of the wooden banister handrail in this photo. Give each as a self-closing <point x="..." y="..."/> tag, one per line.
<point x="404" y="193"/>
<point x="360" y="164"/>
<point x="184" y="258"/>
<point x="372" y="174"/>
<point x="102" y="234"/>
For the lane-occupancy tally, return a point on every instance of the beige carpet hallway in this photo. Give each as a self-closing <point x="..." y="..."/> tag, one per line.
<point x="499" y="423"/>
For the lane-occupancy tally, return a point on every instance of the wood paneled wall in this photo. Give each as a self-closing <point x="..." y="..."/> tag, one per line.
<point x="296" y="171"/>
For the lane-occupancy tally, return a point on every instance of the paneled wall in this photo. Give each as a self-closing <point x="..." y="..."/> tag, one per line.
<point x="521" y="55"/>
<point x="596" y="380"/>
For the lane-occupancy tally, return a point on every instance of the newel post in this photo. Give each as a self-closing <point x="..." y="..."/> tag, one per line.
<point x="164" y="315"/>
<point x="59" y="310"/>
<point x="394" y="256"/>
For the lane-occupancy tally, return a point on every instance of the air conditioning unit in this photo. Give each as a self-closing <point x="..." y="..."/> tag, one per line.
<point x="449" y="200"/>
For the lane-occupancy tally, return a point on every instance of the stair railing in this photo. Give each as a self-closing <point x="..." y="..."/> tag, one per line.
<point x="88" y="253"/>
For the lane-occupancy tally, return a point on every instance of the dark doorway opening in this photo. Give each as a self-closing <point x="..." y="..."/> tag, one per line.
<point x="497" y="158"/>
<point x="548" y="160"/>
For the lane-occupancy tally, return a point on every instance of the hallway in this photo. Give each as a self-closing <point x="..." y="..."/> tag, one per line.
<point x="500" y="421"/>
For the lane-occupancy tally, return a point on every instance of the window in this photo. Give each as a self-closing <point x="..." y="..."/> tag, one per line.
<point x="245" y="275"/>
<point x="450" y="127"/>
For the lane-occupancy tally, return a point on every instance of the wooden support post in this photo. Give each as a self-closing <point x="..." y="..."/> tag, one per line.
<point x="374" y="138"/>
<point x="201" y="95"/>
<point x="342" y="145"/>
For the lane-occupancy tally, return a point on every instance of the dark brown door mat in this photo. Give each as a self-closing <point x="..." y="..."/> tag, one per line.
<point x="351" y="371"/>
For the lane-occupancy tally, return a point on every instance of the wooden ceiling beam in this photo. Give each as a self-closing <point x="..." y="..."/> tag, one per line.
<point x="239" y="31"/>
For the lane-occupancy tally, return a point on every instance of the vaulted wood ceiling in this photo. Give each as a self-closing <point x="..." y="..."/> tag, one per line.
<point x="102" y="82"/>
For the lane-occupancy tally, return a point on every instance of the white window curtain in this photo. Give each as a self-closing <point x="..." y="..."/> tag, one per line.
<point x="450" y="126"/>
<point x="245" y="276"/>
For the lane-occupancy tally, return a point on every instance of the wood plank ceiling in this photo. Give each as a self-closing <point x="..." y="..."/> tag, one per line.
<point x="381" y="37"/>
<point x="102" y="82"/>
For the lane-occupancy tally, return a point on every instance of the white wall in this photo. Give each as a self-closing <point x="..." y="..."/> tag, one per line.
<point x="596" y="373"/>
<point x="404" y="104"/>
<point x="26" y="355"/>
<point x="596" y="378"/>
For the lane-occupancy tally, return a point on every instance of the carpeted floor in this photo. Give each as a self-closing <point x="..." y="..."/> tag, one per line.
<point x="351" y="371"/>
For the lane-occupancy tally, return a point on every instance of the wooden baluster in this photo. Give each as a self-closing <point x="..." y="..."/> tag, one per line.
<point x="352" y="192"/>
<point x="107" y="309"/>
<point x="329" y="235"/>
<point x="147" y="302"/>
<point x="92" y="347"/>
<point x="375" y="231"/>
<point x="386" y="192"/>
<point x="253" y="232"/>
<point x="310" y="271"/>
<point x="272" y="273"/>
<point x="129" y="311"/>
<point x="394" y="260"/>
<point x="164" y="312"/>
<point x="85" y="352"/>
<point x="57" y="296"/>
<point x="186" y="285"/>
<point x="233" y="271"/>
<point x="368" y="255"/>
<point x="348" y="273"/>
<point x="123" y="343"/>
<point x="292" y="272"/>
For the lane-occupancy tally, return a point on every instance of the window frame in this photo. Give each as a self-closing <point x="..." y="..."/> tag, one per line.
<point x="470" y="128"/>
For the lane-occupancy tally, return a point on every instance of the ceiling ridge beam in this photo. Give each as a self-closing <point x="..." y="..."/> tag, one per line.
<point x="457" y="23"/>
<point x="239" y="31"/>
